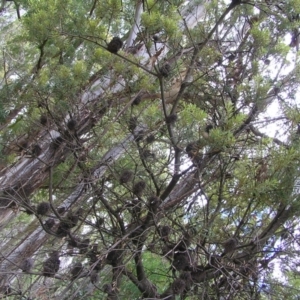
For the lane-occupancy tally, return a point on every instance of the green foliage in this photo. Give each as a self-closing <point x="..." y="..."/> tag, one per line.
<point x="261" y="37"/>
<point x="75" y="118"/>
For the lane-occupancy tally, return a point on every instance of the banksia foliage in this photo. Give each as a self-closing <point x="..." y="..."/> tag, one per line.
<point x="126" y="176"/>
<point x="6" y="290"/>
<point x="147" y="154"/>
<point x="72" y="220"/>
<point x="164" y="231"/>
<point x="61" y="210"/>
<point x="51" y="265"/>
<point x="178" y="286"/>
<point x="139" y="135"/>
<point x="172" y="118"/>
<point x="150" y="139"/>
<point x="36" y="150"/>
<point x="107" y="288"/>
<point x="181" y="262"/>
<point x="197" y="273"/>
<point x="208" y="128"/>
<point x="94" y="277"/>
<point x="49" y="224"/>
<point x="23" y="145"/>
<point x="99" y="222"/>
<point x="187" y="277"/>
<point x="95" y="262"/>
<point x="83" y="245"/>
<point x="132" y="123"/>
<point x="230" y="245"/>
<point x="63" y="229"/>
<point x="153" y="203"/>
<point x="73" y="242"/>
<point x="43" y="120"/>
<point x="26" y="265"/>
<point x="43" y="208"/>
<point x="114" y="257"/>
<point x="193" y="149"/>
<point x="71" y="124"/>
<point x="115" y="45"/>
<point x="76" y="270"/>
<point x="57" y="142"/>
<point x="165" y="70"/>
<point x="139" y="187"/>
<point x="137" y="100"/>
<point x="67" y="223"/>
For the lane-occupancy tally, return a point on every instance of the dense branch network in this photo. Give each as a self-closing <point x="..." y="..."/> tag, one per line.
<point x="139" y="169"/>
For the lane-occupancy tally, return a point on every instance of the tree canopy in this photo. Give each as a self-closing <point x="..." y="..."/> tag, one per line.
<point x="149" y="149"/>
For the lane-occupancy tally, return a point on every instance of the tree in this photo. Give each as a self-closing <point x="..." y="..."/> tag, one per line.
<point x="135" y="163"/>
